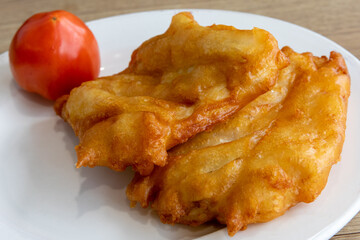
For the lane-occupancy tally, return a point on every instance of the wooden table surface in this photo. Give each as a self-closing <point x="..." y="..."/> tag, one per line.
<point x="334" y="19"/>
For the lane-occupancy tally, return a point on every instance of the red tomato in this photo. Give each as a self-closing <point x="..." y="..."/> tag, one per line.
<point x="52" y="53"/>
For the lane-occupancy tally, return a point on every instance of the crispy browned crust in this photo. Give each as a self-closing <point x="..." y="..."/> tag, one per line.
<point x="177" y="84"/>
<point x="275" y="152"/>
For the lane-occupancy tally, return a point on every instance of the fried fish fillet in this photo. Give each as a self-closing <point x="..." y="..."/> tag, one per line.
<point x="274" y="153"/>
<point x="177" y="84"/>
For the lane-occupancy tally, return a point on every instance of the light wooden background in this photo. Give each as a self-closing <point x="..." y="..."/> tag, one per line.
<point x="338" y="20"/>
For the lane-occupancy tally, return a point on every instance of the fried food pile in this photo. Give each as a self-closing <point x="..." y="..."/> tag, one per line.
<point x="260" y="128"/>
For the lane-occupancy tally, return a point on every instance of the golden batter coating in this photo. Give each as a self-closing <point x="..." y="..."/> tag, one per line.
<point x="272" y="154"/>
<point x="177" y="84"/>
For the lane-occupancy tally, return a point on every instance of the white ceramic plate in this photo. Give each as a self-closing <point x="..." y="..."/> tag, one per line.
<point x="43" y="196"/>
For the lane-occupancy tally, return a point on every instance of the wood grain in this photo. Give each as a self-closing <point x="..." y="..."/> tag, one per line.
<point x="335" y="19"/>
<point x="354" y="236"/>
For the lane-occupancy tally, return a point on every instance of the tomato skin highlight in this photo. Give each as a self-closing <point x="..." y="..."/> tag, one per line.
<point x="52" y="53"/>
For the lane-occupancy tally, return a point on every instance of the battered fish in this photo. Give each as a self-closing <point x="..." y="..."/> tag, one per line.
<point x="177" y="84"/>
<point x="274" y="153"/>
